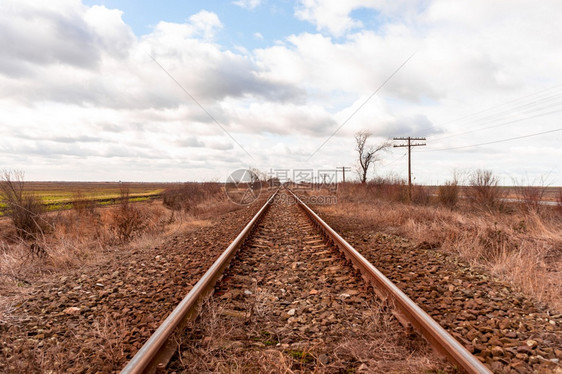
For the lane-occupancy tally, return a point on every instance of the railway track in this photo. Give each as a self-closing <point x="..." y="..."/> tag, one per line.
<point x="290" y="297"/>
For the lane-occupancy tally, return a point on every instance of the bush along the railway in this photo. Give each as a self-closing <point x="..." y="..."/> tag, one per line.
<point x="559" y="200"/>
<point x="483" y="190"/>
<point x="127" y="220"/>
<point x="391" y="188"/>
<point x="187" y="196"/>
<point x="420" y="195"/>
<point x="24" y="209"/>
<point x="448" y="194"/>
<point x="83" y="205"/>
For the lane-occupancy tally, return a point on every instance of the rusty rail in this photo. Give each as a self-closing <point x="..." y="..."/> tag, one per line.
<point x="158" y="350"/>
<point x="436" y="335"/>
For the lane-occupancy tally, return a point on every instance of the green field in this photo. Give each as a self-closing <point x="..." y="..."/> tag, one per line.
<point x="60" y="195"/>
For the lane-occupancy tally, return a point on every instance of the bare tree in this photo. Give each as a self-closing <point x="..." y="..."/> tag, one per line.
<point x="484" y="189"/>
<point x="368" y="155"/>
<point x="256" y="175"/>
<point x="23" y="208"/>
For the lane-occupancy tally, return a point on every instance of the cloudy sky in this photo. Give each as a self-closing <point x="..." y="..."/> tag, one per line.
<point x="191" y="90"/>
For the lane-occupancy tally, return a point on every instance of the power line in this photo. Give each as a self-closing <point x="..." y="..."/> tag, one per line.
<point x="409" y="145"/>
<point x="200" y="106"/>
<point x="531" y="105"/>
<point x="531" y="109"/>
<point x="395" y="160"/>
<point x="363" y="104"/>
<point x="500" y="105"/>
<point x="496" y="125"/>
<point x="495" y="141"/>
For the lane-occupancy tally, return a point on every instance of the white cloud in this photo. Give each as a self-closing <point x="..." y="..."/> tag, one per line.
<point x="206" y="22"/>
<point x="247" y="4"/>
<point x="335" y="17"/>
<point x="330" y="15"/>
<point x="280" y="119"/>
<point x="107" y="66"/>
<point x="81" y="90"/>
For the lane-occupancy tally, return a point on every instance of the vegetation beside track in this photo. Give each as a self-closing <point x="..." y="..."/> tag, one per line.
<point x="520" y="243"/>
<point x="62" y="195"/>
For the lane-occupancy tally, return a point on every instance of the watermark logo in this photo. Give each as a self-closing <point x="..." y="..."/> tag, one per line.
<point x="287" y="200"/>
<point x="318" y="187"/>
<point x="243" y="186"/>
<point x="304" y="179"/>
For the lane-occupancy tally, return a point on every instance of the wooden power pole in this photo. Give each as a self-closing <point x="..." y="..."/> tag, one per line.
<point x="343" y="169"/>
<point x="410" y="145"/>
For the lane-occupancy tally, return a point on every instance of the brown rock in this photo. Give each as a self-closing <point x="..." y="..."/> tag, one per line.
<point x="495" y="341"/>
<point x="72" y="310"/>
<point x="497" y="351"/>
<point x="531" y="343"/>
<point x="496" y="366"/>
<point x="519" y="366"/>
<point x="524" y="349"/>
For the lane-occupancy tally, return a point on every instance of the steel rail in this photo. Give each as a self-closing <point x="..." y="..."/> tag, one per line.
<point x="436" y="335"/>
<point x="157" y="350"/>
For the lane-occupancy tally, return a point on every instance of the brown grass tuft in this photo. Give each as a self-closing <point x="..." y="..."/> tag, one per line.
<point x="420" y="195"/>
<point x="23" y="208"/>
<point x="523" y="248"/>
<point x="187" y="196"/>
<point x="448" y="194"/>
<point x="559" y="200"/>
<point x="483" y="190"/>
<point x="82" y="205"/>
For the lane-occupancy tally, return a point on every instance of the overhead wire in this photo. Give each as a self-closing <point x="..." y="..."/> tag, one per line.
<point x="498" y="125"/>
<point x="501" y="105"/>
<point x="534" y="108"/>
<point x="395" y="160"/>
<point x="493" y="142"/>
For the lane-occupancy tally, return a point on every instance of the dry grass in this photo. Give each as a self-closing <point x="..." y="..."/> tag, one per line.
<point x="104" y="341"/>
<point x="382" y="338"/>
<point x="523" y="247"/>
<point x="448" y="194"/>
<point x="74" y="237"/>
<point x="188" y="196"/>
<point x="213" y="347"/>
<point x="559" y="201"/>
<point x="23" y="208"/>
<point x="483" y="191"/>
<point x="216" y="346"/>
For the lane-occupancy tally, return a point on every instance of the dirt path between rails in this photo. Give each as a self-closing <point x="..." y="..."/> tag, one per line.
<point x="291" y="303"/>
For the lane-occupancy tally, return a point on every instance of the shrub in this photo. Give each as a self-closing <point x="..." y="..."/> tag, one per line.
<point x="82" y="205"/>
<point x="187" y="196"/>
<point x="23" y="208"/>
<point x="559" y="200"/>
<point x="127" y="219"/>
<point x="483" y="190"/>
<point x="448" y="194"/>
<point x="391" y="188"/>
<point x="420" y="195"/>
<point x="530" y="194"/>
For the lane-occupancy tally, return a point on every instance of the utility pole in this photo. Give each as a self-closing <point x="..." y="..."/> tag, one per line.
<point x="343" y="169"/>
<point x="409" y="145"/>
